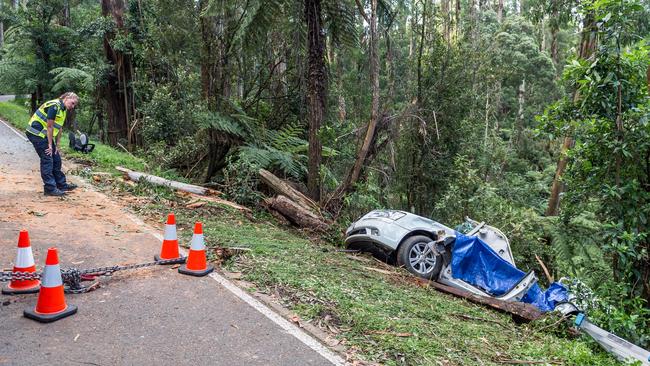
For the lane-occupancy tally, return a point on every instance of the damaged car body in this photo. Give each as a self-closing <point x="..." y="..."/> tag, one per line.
<point x="424" y="248"/>
<point x="479" y="261"/>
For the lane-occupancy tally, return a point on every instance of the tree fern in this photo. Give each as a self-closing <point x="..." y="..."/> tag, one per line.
<point x="341" y="22"/>
<point x="67" y="78"/>
<point x="221" y="123"/>
<point x="270" y="158"/>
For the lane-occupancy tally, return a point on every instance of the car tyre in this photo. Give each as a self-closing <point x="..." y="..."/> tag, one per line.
<point x="414" y="255"/>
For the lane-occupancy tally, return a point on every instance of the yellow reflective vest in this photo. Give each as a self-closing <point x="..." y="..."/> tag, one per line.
<point x="40" y="116"/>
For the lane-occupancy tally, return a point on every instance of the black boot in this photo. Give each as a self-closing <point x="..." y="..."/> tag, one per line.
<point x="55" y="192"/>
<point x="68" y="187"/>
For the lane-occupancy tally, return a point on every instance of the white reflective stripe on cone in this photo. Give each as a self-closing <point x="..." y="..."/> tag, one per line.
<point x="197" y="242"/>
<point x="24" y="258"/>
<point x="170" y="232"/>
<point x="51" y="276"/>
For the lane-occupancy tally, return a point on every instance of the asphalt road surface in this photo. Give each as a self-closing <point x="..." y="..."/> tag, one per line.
<point x="146" y="317"/>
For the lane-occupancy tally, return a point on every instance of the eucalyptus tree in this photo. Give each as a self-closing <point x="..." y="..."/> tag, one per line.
<point x="118" y="90"/>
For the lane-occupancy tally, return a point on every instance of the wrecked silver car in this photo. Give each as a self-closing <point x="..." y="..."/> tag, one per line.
<point x="424" y="247"/>
<point x="479" y="261"/>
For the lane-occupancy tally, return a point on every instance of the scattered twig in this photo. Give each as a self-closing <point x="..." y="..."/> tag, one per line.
<point x="379" y="270"/>
<point x="384" y="332"/>
<point x="436" y="122"/>
<point x="546" y="272"/>
<point x="195" y="164"/>
<point x="562" y="319"/>
<point x="125" y="149"/>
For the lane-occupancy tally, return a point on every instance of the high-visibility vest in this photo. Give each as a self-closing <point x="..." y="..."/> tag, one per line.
<point x="40" y="116"/>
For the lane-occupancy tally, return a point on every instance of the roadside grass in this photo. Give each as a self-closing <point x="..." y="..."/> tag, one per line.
<point x="380" y="316"/>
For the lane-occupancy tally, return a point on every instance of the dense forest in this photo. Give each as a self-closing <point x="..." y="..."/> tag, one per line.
<point x="531" y="115"/>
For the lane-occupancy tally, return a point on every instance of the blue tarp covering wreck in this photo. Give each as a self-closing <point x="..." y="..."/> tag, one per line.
<point x="476" y="263"/>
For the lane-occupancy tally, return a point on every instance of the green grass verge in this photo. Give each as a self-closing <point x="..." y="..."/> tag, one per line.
<point x="379" y="317"/>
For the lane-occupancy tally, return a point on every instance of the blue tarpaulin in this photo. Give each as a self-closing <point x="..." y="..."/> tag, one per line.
<point x="474" y="262"/>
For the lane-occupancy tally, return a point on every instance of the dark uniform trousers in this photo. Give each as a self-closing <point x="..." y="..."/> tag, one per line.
<point x="51" y="172"/>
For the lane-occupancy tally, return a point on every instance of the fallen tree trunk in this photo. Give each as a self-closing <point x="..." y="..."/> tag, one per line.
<point x="136" y="176"/>
<point x="296" y="214"/>
<point x="520" y="311"/>
<point x="283" y="188"/>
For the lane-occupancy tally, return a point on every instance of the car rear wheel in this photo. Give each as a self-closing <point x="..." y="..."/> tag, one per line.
<point x="419" y="258"/>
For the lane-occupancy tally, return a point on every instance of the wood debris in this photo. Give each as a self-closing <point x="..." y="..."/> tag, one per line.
<point x="294" y="206"/>
<point x="383" y="332"/>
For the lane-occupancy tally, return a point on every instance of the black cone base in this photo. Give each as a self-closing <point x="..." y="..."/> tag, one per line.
<point x="177" y="261"/>
<point x="183" y="269"/>
<point x="48" y="318"/>
<point x="15" y="291"/>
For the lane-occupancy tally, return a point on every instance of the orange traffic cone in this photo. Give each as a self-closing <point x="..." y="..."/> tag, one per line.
<point x="24" y="263"/>
<point x="169" y="248"/>
<point x="51" y="305"/>
<point x="197" y="260"/>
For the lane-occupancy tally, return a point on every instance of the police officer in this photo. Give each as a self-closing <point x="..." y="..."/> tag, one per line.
<point x="44" y="133"/>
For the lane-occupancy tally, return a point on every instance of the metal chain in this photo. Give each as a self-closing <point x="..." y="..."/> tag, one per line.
<point x="6" y="276"/>
<point x="72" y="277"/>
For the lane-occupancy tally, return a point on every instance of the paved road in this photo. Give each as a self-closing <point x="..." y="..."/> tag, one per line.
<point x="148" y="317"/>
<point x="7" y="98"/>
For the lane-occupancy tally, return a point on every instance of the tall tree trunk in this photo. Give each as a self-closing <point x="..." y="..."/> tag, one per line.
<point x="374" y="109"/>
<point x="316" y="89"/>
<point x="33" y="102"/>
<point x="355" y="172"/>
<point x="542" y="42"/>
<point x="587" y="49"/>
<point x="118" y="90"/>
<point x="446" y="26"/>
<point x="500" y="11"/>
<point x="457" y="15"/>
<point x="65" y="21"/>
<point x="209" y="55"/>
<point x="555" y="29"/>
<point x="420" y="50"/>
<point x="2" y="28"/>
<point x="342" y="109"/>
<point x="390" y="68"/>
<point x="521" y="94"/>
<point x="216" y="80"/>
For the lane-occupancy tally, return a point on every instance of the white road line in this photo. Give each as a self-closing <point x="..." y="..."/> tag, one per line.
<point x="259" y="306"/>
<point x="250" y="300"/>
<point x="14" y="130"/>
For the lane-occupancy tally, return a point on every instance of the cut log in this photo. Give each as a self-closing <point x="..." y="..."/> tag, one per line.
<point x="136" y="176"/>
<point x="283" y="188"/>
<point x="296" y="214"/>
<point x="520" y="311"/>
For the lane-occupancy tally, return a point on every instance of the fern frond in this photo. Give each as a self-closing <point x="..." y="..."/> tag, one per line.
<point x="270" y="158"/>
<point x="66" y="78"/>
<point x="340" y="20"/>
<point x="255" y="28"/>
<point x="288" y="138"/>
<point x="221" y="123"/>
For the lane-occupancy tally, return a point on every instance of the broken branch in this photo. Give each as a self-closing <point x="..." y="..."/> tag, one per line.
<point x="137" y="176"/>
